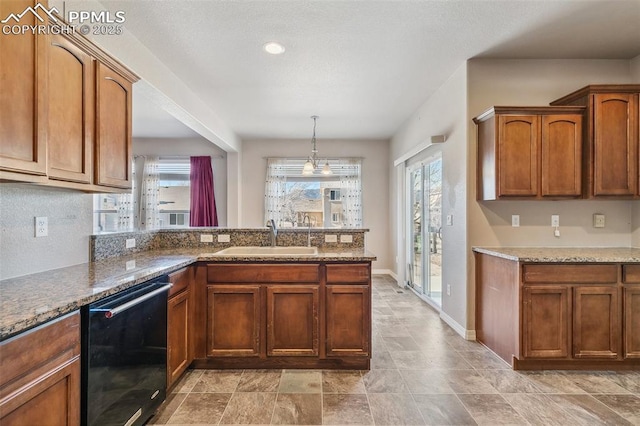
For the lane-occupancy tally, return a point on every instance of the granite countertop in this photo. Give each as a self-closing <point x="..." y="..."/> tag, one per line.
<point x="34" y="299"/>
<point x="564" y="254"/>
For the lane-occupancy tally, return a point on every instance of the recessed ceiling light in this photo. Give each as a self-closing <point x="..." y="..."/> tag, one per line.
<point x="273" y="47"/>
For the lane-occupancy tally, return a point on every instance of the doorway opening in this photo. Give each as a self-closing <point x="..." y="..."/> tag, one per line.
<point x="424" y="224"/>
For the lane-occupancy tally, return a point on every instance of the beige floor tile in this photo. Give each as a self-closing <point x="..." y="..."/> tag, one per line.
<point x="491" y="410"/>
<point x="259" y="381"/>
<point x="553" y="382"/>
<point x="342" y="382"/>
<point x="595" y="382"/>
<point x="200" y="408"/>
<point x="508" y="381"/>
<point x="394" y="409"/>
<point x="249" y="408"/>
<point x="188" y="381"/>
<point x="427" y="381"/>
<point x="468" y="381"/>
<point x="588" y="411"/>
<point x="384" y="381"/>
<point x="346" y="409"/>
<point x="539" y="409"/>
<point x="443" y="410"/>
<point x="298" y="409"/>
<point x="628" y="406"/>
<point x="225" y="381"/>
<point x="300" y="381"/>
<point x="168" y="407"/>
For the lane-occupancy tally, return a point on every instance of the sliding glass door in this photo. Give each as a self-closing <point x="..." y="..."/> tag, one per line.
<point x="424" y="200"/>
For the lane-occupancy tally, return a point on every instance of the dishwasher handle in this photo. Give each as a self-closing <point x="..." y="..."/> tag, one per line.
<point x="110" y="313"/>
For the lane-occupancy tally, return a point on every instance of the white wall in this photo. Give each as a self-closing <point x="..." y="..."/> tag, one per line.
<point x="375" y="183"/>
<point x="444" y="113"/>
<point x="70" y="220"/>
<point x="634" y="65"/>
<point x="192" y="147"/>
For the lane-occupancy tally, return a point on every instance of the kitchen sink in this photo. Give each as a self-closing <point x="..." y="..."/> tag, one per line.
<point x="268" y="251"/>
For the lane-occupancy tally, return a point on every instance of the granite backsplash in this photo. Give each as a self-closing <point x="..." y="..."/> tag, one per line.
<point x="104" y="246"/>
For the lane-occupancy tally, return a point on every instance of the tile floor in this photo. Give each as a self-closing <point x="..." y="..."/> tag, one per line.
<point x="422" y="372"/>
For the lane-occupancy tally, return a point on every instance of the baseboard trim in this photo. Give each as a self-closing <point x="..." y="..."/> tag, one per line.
<point x="466" y="334"/>
<point x="384" y="272"/>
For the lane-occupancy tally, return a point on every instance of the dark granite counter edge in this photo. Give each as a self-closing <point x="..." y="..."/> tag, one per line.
<point x="563" y="255"/>
<point x="10" y="330"/>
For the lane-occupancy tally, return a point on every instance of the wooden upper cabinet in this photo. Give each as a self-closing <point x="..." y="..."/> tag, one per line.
<point x="113" y="128"/>
<point x="615" y="141"/>
<point x="71" y="106"/>
<point x="529" y="152"/>
<point x="518" y="142"/>
<point x="23" y="87"/>
<point x="613" y="149"/>
<point x="561" y="155"/>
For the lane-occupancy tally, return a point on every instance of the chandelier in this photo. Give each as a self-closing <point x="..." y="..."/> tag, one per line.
<point x="312" y="163"/>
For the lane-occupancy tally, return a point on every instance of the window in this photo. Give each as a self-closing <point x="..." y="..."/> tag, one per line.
<point x="170" y="181"/>
<point x="174" y="195"/>
<point x="333" y="201"/>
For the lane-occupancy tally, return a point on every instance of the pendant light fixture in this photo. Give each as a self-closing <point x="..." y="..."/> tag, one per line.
<point x="312" y="162"/>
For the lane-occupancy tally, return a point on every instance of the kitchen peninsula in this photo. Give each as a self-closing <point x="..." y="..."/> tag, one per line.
<point x="560" y="308"/>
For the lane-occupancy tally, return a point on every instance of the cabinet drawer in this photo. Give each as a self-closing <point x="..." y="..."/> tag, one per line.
<point x="576" y="273"/>
<point x="33" y="352"/>
<point x="263" y="273"/>
<point x="358" y="273"/>
<point x="180" y="280"/>
<point x="631" y="273"/>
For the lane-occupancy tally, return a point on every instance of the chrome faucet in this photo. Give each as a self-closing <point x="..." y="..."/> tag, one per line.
<point x="308" y="220"/>
<point x="273" y="232"/>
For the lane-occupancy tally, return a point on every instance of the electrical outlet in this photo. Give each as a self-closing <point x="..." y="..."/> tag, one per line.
<point x="206" y="238"/>
<point x="346" y="238"/>
<point x="449" y="220"/>
<point x="598" y="220"/>
<point x="448" y="289"/>
<point x="41" y="226"/>
<point x="515" y="220"/>
<point x="555" y="220"/>
<point x="330" y="238"/>
<point x="130" y="243"/>
<point x="224" y="238"/>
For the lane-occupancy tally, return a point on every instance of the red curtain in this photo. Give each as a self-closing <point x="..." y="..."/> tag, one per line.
<point x="203" y="203"/>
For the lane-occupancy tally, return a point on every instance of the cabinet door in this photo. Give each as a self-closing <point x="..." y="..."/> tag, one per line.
<point x="23" y="71"/>
<point x="348" y="320"/>
<point x="615" y="141"/>
<point x="233" y="320"/>
<point x="292" y="320"/>
<point x="596" y="322"/>
<point x="632" y="321"/>
<point x="179" y="353"/>
<point x="518" y="141"/>
<point x="55" y="395"/>
<point x="545" y="321"/>
<point x="113" y="128"/>
<point x="70" y="118"/>
<point x="561" y="155"/>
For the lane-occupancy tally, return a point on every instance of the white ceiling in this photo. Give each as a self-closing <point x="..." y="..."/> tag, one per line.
<point x="363" y="66"/>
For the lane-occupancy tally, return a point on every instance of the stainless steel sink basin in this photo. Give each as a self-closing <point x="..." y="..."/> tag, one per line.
<point x="268" y="251"/>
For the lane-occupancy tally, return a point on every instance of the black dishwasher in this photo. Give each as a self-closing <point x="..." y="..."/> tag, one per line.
<point x="124" y="362"/>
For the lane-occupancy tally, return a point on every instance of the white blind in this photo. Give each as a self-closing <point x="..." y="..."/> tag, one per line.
<point x="292" y="167"/>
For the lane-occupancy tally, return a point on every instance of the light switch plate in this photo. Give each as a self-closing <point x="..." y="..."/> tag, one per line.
<point x="330" y="238"/>
<point x="449" y="220"/>
<point x="224" y="238"/>
<point x="346" y="238"/>
<point x="515" y="220"/>
<point x="206" y="238"/>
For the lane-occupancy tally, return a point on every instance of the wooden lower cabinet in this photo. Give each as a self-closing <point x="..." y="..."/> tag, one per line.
<point x="348" y="320"/>
<point x="545" y="323"/>
<point x="180" y="333"/>
<point x="44" y="387"/>
<point x="596" y="322"/>
<point x="293" y="320"/>
<point x="567" y="315"/>
<point x="632" y="321"/>
<point x="284" y="315"/>
<point x="233" y="320"/>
